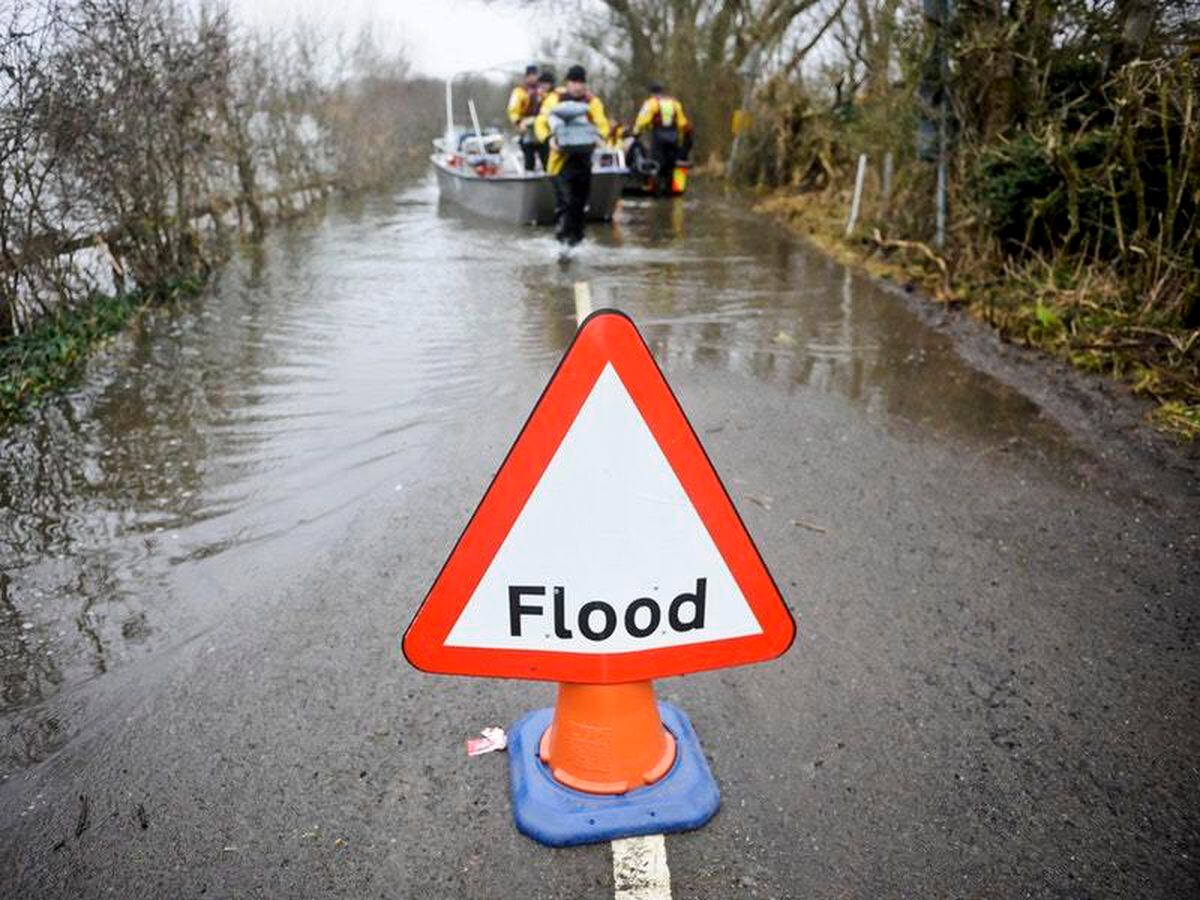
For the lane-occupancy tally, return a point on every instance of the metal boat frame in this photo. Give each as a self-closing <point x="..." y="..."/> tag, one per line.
<point x="482" y="172"/>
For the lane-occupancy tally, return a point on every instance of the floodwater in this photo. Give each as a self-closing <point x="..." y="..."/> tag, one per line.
<point x="208" y="451"/>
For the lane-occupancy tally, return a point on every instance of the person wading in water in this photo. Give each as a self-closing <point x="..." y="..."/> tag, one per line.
<point x="572" y="120"/>
<point x="670" y="134"/>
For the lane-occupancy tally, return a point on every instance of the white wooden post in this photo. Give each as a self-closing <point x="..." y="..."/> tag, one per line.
<point x="889" y="166"/>
<point x="858" y="189"/>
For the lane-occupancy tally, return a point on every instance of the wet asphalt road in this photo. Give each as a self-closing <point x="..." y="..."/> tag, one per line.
<point x="211" y="548"/>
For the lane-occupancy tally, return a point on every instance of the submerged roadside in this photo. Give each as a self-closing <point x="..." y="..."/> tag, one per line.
<point x="1063" y="313"/>
<point x="53" y="354"/>
<point x="142" y="146"/>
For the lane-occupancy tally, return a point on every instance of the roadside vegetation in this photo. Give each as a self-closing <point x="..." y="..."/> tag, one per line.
<point x="1072" y="153"/>
<point x="141" y="141"/>
<point x="49" y="355"/>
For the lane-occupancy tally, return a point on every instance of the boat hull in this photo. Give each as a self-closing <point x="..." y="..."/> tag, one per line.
<point x="523" y="200"/>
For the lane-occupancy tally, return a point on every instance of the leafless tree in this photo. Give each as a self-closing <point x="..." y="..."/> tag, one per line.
<point x="129" y="129"/>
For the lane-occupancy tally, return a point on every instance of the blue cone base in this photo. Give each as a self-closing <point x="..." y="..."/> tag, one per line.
<point x="685" y="798"/>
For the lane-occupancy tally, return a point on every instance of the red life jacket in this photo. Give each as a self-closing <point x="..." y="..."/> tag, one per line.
<point x="533" y="102"/>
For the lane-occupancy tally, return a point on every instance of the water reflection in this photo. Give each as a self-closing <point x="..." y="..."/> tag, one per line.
<point x="218" y="442"/>
<point x="741" y="294"/>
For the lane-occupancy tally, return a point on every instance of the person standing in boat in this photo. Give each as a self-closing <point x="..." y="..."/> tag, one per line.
<point x="573" y="122"/>
<point x="523" y="105"/>
<point x="662" y="116"/>
<point x="545" y="87"/>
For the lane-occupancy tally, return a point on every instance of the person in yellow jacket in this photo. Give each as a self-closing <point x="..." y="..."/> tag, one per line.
<point x="573" y="122"/>
<point x="545" y="88"/>
<point x="523" y="105"/>
<point x="663" y="118"/>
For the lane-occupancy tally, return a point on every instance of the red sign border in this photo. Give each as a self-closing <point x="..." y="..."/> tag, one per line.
<point x="606" y="336"/>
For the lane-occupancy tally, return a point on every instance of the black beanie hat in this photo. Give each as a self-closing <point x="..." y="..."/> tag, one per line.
<point x="531" y="69"/>
<point x="576" y="73"/>
<point x="547" y="77"/>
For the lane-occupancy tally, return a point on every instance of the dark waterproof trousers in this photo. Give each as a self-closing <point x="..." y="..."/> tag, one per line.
<point x="571" y="188"/>
<point x="533" y="151"/>
<point x="665" y="147"/>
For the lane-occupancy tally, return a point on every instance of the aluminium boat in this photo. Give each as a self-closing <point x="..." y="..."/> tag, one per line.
<point x="483" y="171"/>
<point x="485" y="175"/>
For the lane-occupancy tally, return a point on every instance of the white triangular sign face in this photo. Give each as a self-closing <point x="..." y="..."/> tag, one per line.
<point x="608" y="527"/>
<point x="606" y="550"/>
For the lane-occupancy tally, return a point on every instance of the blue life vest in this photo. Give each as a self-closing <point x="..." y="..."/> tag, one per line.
<point x="570" y="125"/>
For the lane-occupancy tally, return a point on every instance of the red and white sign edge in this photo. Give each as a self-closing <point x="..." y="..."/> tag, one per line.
<point x="608" y="493"/>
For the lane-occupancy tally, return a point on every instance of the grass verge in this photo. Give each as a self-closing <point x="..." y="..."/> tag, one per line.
<point x="51" y="356"/>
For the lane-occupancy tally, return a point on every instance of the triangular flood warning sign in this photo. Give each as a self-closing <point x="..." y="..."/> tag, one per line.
<point x="606" y="549"/>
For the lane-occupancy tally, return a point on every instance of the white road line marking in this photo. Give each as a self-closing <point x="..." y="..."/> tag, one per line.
<point x="583" y="301"/>
<point x="640" y="868"/>
<point x="639" y="863"/>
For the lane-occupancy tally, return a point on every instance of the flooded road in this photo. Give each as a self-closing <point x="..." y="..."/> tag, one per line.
<point x="211" y="452"/>
<point x="211" y="546"/>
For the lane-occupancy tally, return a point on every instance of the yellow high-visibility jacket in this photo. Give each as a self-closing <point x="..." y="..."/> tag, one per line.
<point x="541" y="126"/>
<point x="520" y="105"/>
<point x="662" y="112"/>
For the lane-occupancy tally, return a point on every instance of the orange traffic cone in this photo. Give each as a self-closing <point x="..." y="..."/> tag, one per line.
<point x="607" y="738"/>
